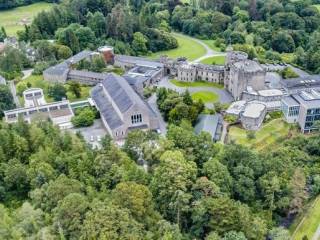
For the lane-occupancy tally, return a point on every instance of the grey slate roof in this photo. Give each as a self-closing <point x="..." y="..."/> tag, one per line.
<point x="209" y="124"/>
<point x="87" y="74"/>
<point x="58" y="69"/>
<point x="61" y="68"/>
<point x="105" y="107"/>
<point x="123" y="96"/>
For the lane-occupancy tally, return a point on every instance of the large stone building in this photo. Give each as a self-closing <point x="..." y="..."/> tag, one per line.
<point x="188" y="72"/>
<point x="241" y="73"/>
<point x="121" y="108"/>
<point x="36" y="108"/>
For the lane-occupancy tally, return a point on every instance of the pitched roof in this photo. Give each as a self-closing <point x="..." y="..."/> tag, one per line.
<point x="123" y="97"/>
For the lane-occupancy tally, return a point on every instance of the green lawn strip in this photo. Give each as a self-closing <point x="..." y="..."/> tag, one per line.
<point x="11" y="19"/>
<point x="196" y="84"/>
<point x="264" y="137"/>
<point x="311" y="221"/>
<point x="187" y="48"/>
<point x="205" y="96"/>
<point x="216" y="60"/>
<point x="211" y="44"/>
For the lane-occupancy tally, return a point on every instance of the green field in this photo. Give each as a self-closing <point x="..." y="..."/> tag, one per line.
<point x="13" y="20"/>
<point x="37" y="81"/>
<point x="211" y="44"/>
<point x="205" y="96"/>
<point x="216" y="60"/>
<point x="187" y="48"/>
<point x="309" y="223"/>
<point x="196" y="84"/>
<point x="266" y="136"/>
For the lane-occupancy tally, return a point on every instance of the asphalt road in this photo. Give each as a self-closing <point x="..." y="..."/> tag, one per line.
<point x="152" y="101"/>
<point x="14" y="93"/>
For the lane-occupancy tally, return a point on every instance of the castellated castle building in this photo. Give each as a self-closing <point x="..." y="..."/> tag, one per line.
<point x="237" y="75"/>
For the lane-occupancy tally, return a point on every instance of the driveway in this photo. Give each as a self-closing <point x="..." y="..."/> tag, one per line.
<point x="92" y="133"/>
<point x="224" y="95"/>
<point x="152" y="101"/>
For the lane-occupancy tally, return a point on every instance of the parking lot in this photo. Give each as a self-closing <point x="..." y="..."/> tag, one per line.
<point x="93" y="134"/>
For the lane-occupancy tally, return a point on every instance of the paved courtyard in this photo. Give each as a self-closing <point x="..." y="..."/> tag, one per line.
<point x="93" y="134"/>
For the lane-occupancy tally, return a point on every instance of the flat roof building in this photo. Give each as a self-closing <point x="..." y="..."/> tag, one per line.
<point x="211" y="124"/>
<point x="253" y="115"/>
<point x="303" y="108"/>
<point x="296" y="85"/>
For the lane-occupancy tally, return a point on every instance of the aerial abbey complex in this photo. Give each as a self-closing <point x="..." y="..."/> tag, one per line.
<point x="120" y="98"/>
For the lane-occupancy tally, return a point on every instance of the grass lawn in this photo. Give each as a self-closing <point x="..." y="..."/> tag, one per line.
<point x="187" y="48"/>
<point x="266" y="136"/>
<point x="310" y="223"/>
<point x="205" y="96"/>
<point x="37" y="81"/>
<point x="196" y="84"/>
<point x="216" y="60"/>
<point x="211" y="44"/>
<point x="13" y="20"/>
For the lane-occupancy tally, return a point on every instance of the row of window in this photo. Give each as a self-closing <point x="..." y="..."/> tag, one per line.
<point x="136" y="118"/>
<point x="44" y="109"/>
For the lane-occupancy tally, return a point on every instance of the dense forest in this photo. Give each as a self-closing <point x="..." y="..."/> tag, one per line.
<point x="264" y="29"/>
<point x="54" y="186"/>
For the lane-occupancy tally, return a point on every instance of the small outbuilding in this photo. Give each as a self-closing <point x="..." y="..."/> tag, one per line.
<point x="211" y="124"/>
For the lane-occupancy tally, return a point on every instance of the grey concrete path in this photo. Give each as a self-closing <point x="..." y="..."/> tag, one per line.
<point x="27" y="73"/>
<point x="152" y="101"/>
<point x="14" y="93"/>
<point x="224" y="96"/>
<point x="209" y="52"/>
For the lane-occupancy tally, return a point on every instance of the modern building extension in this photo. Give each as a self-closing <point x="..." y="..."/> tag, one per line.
<point x="36" y="108"/>
<point x="303" y="108"/>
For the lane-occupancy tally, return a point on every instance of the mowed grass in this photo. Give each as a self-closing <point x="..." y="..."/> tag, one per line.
<point x="212" y="45"/>
<point x="196" y="84"/>
<point x="268" y="135"/>
<point x="187" y="48"/>
<point x="37" y="81"/>
<point x="216" y="60"/>
<point x="12" y="20"/>
<point x="205" y="96"/>
<point x="310" y="223"/>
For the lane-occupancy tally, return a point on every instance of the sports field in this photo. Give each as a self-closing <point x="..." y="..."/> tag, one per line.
<point x="14" y="20"/>
<point x="187" y="48"/>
